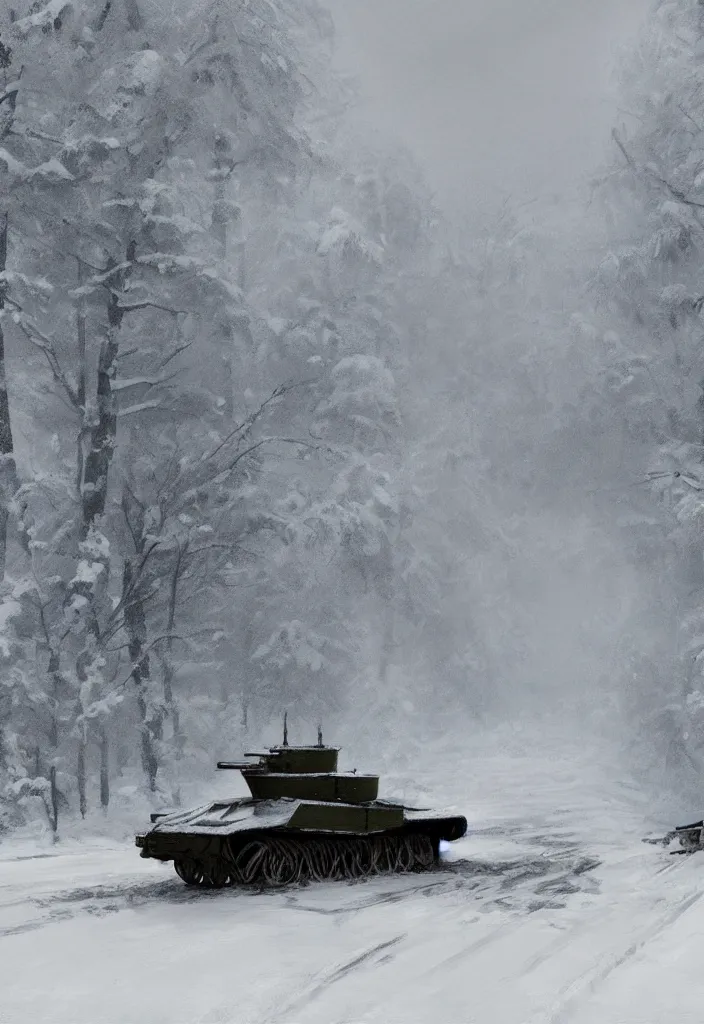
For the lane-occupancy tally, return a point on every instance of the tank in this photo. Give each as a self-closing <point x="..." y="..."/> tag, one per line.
<point x="304" y="821"/>
<point x="691" y="837"/>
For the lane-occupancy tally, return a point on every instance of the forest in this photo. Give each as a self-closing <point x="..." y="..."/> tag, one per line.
<point x="279" y="435"/>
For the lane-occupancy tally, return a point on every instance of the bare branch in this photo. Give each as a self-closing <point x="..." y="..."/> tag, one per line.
<point x="689" y="116"/>
<point x="268" y="440"/>
<point x="626" y="155"/>
<point x="33" y="133"/>
<point x="35" y="336"/>
<point x="249" y="422"/>
<point x="145" y="651"/>
<point x="176" y="352"/>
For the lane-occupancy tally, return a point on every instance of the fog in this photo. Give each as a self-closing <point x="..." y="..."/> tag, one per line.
<point x="503" y="103"/>
<point x="494" y="97"/>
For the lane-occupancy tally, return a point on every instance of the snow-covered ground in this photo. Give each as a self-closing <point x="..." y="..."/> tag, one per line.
<point x="551" y="911"/>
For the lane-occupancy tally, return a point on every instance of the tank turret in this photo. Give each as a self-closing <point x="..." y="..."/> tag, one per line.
<point x="303" y="773"/>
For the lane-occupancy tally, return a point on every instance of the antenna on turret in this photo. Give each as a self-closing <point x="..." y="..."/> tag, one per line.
<point x="320" y="735"/>
<point x="285" y="743"/>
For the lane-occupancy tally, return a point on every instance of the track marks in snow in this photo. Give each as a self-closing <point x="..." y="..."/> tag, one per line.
<point x="528" y="883"/>
<point x="578" y="991"/>
<point x="374" y="899"/>
<point x="98" y="900"/>
<point x="490" y="939"/>
<point x="374" y="955"/>
<point x="54" y="917"/>
<point x="525" y="883"/>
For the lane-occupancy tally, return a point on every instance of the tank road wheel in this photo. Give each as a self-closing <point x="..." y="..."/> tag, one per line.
<point x="190" y="871"/>
<point x="250" y="862"/>
<point x="424" y="852"/>
<point x="284" y="863"/>
<point x="217" y="875"/>
<point x="355" y="859"/>
<point x="405" y="856"/>
<point x="321" y="860"/>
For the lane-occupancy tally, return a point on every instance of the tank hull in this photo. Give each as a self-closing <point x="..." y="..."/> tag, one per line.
<point x="252" y="842"/>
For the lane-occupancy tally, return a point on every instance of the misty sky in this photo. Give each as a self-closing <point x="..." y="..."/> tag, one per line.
<point x="495" y="97"/>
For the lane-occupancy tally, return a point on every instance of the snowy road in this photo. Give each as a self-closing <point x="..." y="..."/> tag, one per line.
<point x="543" y="918"/>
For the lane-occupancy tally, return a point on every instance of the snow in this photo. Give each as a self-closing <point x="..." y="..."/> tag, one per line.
<point x="8" y="610"/>
<point x="13" y="166"/>
<point x="551" y="911"/>
<point x="8" y="90"/>
<point x="134" y="78"/>
<point x="39" y="284"/>
<point x="131" y="410"/>
<point x="46" y="16"/>
<point x="88" y="572"/>
<point x="51" y="171"/>
<point x="133" y="382"/>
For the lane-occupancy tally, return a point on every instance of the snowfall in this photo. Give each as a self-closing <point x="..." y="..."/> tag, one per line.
<point x="552" y="910"/>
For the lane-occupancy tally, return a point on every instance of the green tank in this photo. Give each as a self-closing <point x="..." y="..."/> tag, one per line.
<point x="303" y="821"/>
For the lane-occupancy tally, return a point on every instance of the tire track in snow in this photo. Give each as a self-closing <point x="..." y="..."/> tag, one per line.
<point x="97" y="900"/>
<point x="486" y="940"/>
<point x="368" y="901"/>
<point x="578" y="991"/>
<point x="29" y="926"/>
<point x="337" y="974"/>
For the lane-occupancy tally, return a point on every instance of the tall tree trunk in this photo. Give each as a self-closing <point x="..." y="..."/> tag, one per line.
<point x="81" y="776"/>
<point x="167" y="663"/>
<point x="55" y="677"/>
<point x="94" y="488"/>
<point x="136" y="629"/>
<point x="102" y="435"/>
<point x="84" y="428"/>
<point x="104" y="770"/>
<point x="54" y="797"/>
<point x="8" y="471"/>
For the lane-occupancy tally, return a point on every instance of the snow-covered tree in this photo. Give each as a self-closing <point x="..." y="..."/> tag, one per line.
<point x="206" y="305"/>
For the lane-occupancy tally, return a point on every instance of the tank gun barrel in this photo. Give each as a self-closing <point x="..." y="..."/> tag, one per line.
<point x="239" y="766"/>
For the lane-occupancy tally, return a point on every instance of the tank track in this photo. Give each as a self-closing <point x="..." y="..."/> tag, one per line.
<point x="275" y="860"/>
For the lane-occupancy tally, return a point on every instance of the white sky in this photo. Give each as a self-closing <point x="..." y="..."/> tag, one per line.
<point x="495" y="97"/>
